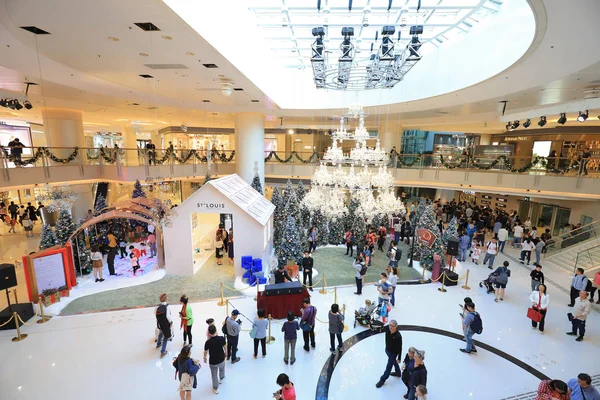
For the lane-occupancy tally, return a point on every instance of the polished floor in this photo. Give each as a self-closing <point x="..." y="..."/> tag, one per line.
<point x="112" y="354"/>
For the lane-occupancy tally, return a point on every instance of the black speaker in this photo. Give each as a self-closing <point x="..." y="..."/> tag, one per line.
<point x="452" y="248"/>
<point x="25" y="311"/>
<point x="450" y="277"/>
<point x="8" y="276"/>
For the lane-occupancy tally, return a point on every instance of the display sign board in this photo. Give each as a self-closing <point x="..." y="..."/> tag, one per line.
<point x="426" y="237"/>
<point x="49" y="272"/>
<point x="485" y="196"/>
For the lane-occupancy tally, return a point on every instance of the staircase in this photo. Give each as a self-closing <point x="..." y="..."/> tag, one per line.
<point x="585" y="255"/>
<point x="101" y="190"/>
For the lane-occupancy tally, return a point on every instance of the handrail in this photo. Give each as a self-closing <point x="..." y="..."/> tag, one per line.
<point x="587" y="253"/>
<point x="574" y="236"/>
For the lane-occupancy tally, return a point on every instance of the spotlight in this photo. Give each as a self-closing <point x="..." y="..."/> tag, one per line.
<point x="562" y="119"/>
<point x="542" y="121"/>
<point x="583" y="116"/>
<point x="516" y="124"/>
<point x="527" y="123"/>
<point x="18" y="105"/>
<point x="509" y="126"/>
<point x="3" y="103"/>
<point x="11" y="104"/>
<point x="27" y="105"/>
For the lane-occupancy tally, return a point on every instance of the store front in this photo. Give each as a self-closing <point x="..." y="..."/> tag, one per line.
<point x="546" y="216"/>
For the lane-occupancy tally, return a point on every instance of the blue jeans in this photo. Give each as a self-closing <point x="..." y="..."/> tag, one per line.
<point x="516" y="241"/>
<point x="391" y="362"/>
<point x="469" y="337"/>
<point x="412" y="394"/>
<point x="462" y="254"/>
<point x="393" y="296"/>
<point x="489" y="257"/>
<point x="538" y="255"/>
<point x="502" y="246"/>
<point x="163" y="340"/>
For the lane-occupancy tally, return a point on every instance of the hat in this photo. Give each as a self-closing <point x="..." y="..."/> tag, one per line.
<point x="235" y="312"/>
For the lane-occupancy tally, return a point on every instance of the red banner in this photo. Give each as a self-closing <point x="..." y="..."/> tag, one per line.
<point x="426" y="237"/>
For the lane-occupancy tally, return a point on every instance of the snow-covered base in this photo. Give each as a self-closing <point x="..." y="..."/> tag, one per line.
<point x="243" y="288"/>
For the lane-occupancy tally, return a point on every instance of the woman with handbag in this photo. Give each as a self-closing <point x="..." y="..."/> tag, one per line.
<point x="540" y="300"/>
<point x="336" y="327"/>
<point x="186" y="368"/>
<point x="259" y="332"/>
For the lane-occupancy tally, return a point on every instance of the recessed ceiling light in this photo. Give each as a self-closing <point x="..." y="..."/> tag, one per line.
<point x="184" y="76"/>
<point x="35" y="30"/>
<point x="254" y="101"/>
<point x="167" y="37"/>
<point x="206" y="101"/>
<point x="113" y="39"/>
<point x="189" y="53"/>
<point x="144" y="54"/>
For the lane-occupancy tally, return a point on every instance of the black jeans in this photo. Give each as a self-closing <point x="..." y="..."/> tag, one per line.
<point x="525" y="254"/>
<point x="332" y="337"/>
<point x="263" y="344"/>
<point x="110" y="260"/>
<point x="358" y="285"/>
<point x="592" y="294"/>
<point x="187" y="333"/>
<point x="232" y="344"/>
<point x="123" y="251"/>
<point x="309" y="336"/>
<point x="578" y="325"/>
<point x="308" y="274"/>
<point x="574" y="294"/>
<point x="349" y="248"/>
<point x="542" y="322"/>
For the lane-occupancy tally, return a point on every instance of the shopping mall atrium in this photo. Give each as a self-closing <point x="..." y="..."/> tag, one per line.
<point x="420" y="165"/>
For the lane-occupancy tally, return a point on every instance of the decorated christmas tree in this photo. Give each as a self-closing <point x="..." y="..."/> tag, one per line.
<point x="380" y="219"/>
<point x="304" y="212"/>
<point x="137" y="190"/>
<point x="290" y="246"/>
<point x="64" y="226"/>
<point x="350" y="216"/>
<point x="425" y="250"/>
<point x="292" y="207"/>
<point x="47" y="237"/>
<point x="279" y="216"/>
<point x="83" y="258"/>
<point x="319" y="221"/>
<point x="289" y="189"/>
<point x="336" y="231"/>
<point x="256" y="184"/>
<point x="359" y="227"/>
<point x="451" y="232"/>
<point x="300" y="191"/>
<point x="101" y="205"/>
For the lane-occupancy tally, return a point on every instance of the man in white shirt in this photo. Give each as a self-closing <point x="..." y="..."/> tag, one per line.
<point x="502" y="238"/>
<point x="580" y="313"/>
<point x="518" y="235"/>
<point x="491" y="251"/>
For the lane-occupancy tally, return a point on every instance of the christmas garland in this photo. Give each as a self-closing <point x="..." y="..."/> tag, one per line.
<point x="409" y="164"/>
<point x="38" y="153"/>
<point x="314" y="157"/>
<point x="475" y="163"/>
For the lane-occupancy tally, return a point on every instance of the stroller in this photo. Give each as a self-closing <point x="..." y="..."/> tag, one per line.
<point x="489" y="283"/>
<point x="368" y="317"/>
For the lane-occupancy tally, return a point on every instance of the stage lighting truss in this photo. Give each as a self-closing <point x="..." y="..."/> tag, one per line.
<point x="382" y="70"/>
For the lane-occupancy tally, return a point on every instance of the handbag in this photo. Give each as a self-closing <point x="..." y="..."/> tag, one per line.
<point x="534" y="314"/>
<point x="305" y="326"/>
<point x="253" y="332"/>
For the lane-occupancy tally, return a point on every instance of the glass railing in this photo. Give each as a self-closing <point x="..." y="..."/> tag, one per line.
<point x="572" y="237"/>
<point x="588" y="259"/>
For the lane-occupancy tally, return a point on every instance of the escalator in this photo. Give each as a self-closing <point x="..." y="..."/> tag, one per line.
<point x="101" y="190"/>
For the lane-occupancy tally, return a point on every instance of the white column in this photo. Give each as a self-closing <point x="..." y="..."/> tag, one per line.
<point x="250" y="145"/>
<point x="130" y="142"/>
<point x="64" y="128"/>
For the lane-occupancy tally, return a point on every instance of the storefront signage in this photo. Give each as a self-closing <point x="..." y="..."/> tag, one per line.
<point x="515" y="138"/>
<point x="485" y="202"/>
<point x="211" y="206"/>
<point x="500" y="205"/>
<point x="468" y="191"/>
<point x="487" y="197"/>
<point x="501" y="199"/>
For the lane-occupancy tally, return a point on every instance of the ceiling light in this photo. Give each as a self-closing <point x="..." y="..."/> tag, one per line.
<point x="4" y="103"/>
<point x="542" y="121"/>
<point x="167" y="37"/>
<point x="583" y="116"/>
<point x="226" y="90"/>
<point x="189" y="53"/>
<point x="527" y="123"/>
<point x="509" y="126"/>
<point x="27" y="104"/>
<point x="562" y="119"/>
<point x="144" y="54"/>
<point x="113" y="39"/>
<point x="516" y="124"/>
<point x="291" y="131"/>
<point x="11" y="104"/>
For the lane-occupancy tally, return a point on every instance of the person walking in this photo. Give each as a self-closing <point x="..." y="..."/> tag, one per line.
<point x="186" y="369"/>
<point x="540" y="300"/>
<point x="31" y="210"/>
<point x="312" y="239"/>
<point x="418" y="376"/>
<point x="260" y="323"/>
<point x="393" y="351"/>
<point x="537" y="277"/>
<point x="583" y="306"/>
<point x="361" y="271"/>
<point x="27" y="225"/>
<point x="230" y="251"/>
<point x="216" y="349"/>
<point x="309" y="315"/>
<point x="471" y="325"/>
<point x="502" y="274"/>
<point x="490" y="253"/>
<point x="336" y="327"/>
<point x="393" y="255"/>
<point x="16" y="151"/>
<point x="407" y="367"/>
<point x="307" y="270"/>
<point x="381" y="234"/>
<point x="464" y="242"/>
<point x="517" y="235"/>
<point x="219" y="249"/>
<point x="582" y="389"/>
<point x="112" y="252"/>
<point x="152" y="243"/>
<point x="187" y="319"/>
<point x="349" y="238"/>
<point x="502" y="237"/>
<point x="526" y="249"/>
<point x="233" y="328"/>
<point x="151" y="152"/>
<point x="13" y="210"/>
<point x="164" y="323"/>
<point x="578" y="283"/>
<point x="393" y="281"/>
<point x="290" y="336"/>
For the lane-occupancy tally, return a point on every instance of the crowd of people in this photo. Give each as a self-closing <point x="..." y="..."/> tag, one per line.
<point x="24" y="215"/>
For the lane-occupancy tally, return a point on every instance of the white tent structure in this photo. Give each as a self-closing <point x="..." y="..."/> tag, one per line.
<point x="252" y="224"/>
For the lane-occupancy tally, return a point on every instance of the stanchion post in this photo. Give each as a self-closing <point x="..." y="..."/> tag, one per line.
<point x="227" y="308"/>
<point x="344" y="314"/>
<point x="221" y="302"/>
<point x="257" y="290"/>
<point x="323" y="291"/>
<point x="269" y="337"/>
<point x="19" y="336"/>
<point x="335" y="295"/>
<point x="422" y="280"/>
<point x="44" y="318"/>
<point x="466" y="285"/>
<point x="16" y="298"/>
<point x="443" y="278"/>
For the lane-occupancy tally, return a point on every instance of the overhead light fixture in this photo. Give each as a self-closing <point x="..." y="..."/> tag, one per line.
<point x="4" y="103"/>
<point x="583" y="116"/>
<point x="11" y="104"/>
<point x="144" y="54"/>
<point x="291" y="131"/>
<point x="27" y="105"/>
<point x="527" y="123"/>
<point x="516" y="124"/>
<point x="542" y="121"/>
<point x="562" y="119"/>
<point x="509" y="126"/>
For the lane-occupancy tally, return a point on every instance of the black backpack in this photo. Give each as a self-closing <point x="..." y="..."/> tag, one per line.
<point x="588" y="286"/>
<point x="363" y="270"/>
<point x="224" y="327"/>
<point x="477" y="324"/>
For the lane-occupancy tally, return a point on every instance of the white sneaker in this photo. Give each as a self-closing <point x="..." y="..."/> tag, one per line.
<point x="221" y="380"/>
<point x="216" y="391"/>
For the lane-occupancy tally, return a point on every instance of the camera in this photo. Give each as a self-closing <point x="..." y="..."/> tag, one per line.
<point x="239" y="321"/>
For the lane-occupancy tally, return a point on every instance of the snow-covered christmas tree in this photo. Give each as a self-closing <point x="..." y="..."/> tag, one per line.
<point x="451" y="232"/>
<point x="289" y="189"/>
<point x="336" y="231"/>
<point x="300" y="191"/>
<point x="304" y="212"/>
<point x="64" y="226"/>
<point x="423" y="252"/>
<point x="319" y="220"/>
<point x="279" y="216"/>
<point x="137" y="190"/>
<point x="47" y="237"/>
<point x="256" y="185"/>
<point x="350" y="216"/>
<point x="82" y="254"/>
<point x="290" y="246"/>
<point x="100" y="206"/>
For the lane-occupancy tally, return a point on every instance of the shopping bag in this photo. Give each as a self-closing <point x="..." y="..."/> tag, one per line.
<point x="534" y="314"/>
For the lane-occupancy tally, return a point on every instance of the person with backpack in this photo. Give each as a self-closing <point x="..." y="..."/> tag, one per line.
<point x="361" y="271"/>
<point x="394" y="254"/>
<point x="502" y="274"/>
<point x="232" y="329"/>
<point x="216" y="348"/>
<point x="186" y="368"/>
<point x="309" y="315"/>
<point x="579" y="283"/>
<point x="472" y="324"/>
<point x="163" y="323"/>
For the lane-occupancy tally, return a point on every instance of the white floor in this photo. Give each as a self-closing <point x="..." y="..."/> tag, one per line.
<point x="112" y="354"/>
